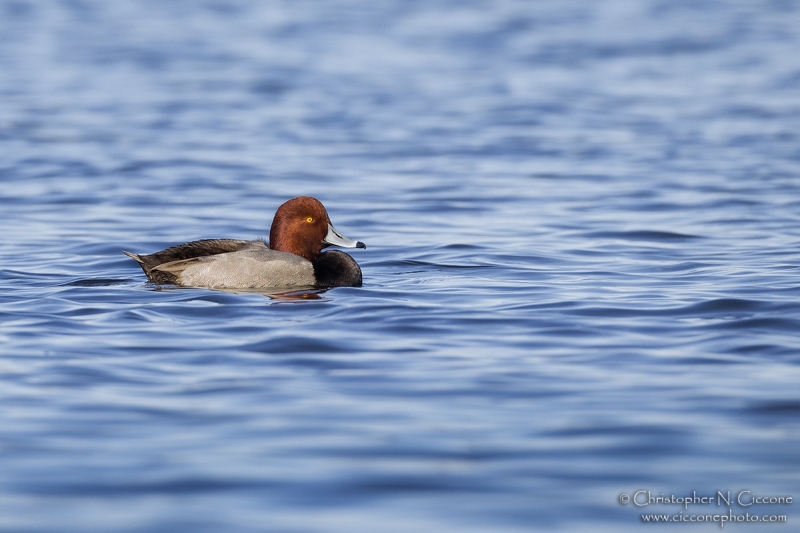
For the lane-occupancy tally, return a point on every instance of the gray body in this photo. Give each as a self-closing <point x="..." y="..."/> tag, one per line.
<point x="246" y="265"/>
<point x="248" y="269"/>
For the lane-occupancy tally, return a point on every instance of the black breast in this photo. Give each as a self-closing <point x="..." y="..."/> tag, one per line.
<point x="336" y="269"/>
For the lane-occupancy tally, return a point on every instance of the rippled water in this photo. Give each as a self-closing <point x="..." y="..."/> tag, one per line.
<point x="582" y="276"/>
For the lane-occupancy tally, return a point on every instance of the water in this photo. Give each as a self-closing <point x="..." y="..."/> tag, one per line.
<point x="582" y="276"/>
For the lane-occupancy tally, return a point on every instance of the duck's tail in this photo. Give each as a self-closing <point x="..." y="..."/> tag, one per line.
<point x="133" y="256"/>
<point x="139" y="260"/>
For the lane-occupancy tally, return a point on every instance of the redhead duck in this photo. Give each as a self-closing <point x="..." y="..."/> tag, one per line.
<point x="300" y="230"/>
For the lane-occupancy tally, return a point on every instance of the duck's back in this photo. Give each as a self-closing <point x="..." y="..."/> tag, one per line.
<point x="193" y="249"/>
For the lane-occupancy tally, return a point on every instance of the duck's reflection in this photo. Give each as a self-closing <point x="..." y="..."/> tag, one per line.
<point x="288" y="295"/>
<point x="298" y="296"/>
<point x="291" y="295"/>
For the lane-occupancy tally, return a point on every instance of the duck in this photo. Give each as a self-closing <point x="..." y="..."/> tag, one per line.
<point x="293" y="258"/>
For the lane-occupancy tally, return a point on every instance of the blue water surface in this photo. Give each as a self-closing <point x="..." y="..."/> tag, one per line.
<point x="582" y="277"/>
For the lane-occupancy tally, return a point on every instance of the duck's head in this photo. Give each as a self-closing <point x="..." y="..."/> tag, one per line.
<point x="301" y="226"/>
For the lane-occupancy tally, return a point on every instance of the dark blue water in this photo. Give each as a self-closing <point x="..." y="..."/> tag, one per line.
<point x="582" y="276"/>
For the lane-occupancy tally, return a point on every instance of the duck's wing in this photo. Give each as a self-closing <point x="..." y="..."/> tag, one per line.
<point x="250" y="268"/>
<point x="151" y="263"/>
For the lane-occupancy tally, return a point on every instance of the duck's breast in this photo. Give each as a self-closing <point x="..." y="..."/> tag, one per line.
<point x="246" y="269"/>
<point x="336" y="269"/>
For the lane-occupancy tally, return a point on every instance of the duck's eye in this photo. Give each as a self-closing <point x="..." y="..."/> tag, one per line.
<point x="310" y="220"/>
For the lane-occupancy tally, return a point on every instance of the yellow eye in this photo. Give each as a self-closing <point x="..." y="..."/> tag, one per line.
<point x="309" y="220"/>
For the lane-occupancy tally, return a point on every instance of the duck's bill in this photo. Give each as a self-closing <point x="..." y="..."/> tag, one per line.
<point x="335" y="238"/>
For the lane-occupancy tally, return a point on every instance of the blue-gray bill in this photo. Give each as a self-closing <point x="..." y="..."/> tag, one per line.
<point x="337" y="239"/>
